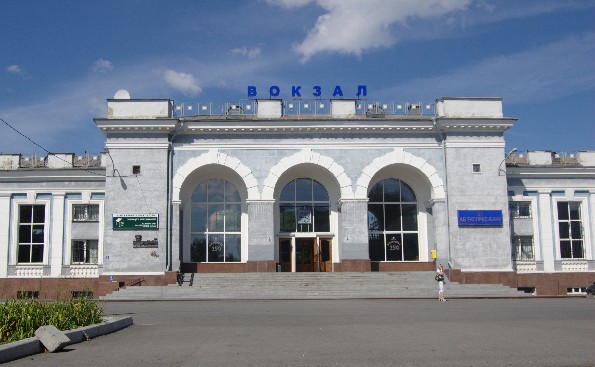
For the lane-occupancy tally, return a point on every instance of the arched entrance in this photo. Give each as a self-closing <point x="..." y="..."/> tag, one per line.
<point x="306" y="221"/>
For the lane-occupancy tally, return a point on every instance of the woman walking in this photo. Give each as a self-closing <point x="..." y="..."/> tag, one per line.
<point x="440" y="279"/>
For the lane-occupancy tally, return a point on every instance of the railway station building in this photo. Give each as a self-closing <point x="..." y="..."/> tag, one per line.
<point x="272" y="185"/>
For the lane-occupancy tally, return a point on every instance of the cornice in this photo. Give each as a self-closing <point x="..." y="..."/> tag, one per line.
<point x="377" y="126"/>
<point x="136" y="125"/>
<point x="447" y="124"/>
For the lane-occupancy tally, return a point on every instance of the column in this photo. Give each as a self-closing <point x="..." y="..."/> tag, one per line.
<point x="175" y="236"/>
<point x="261" y="230"/>
<point x="353" y="230"/>
<point x="440" y="217"/>
<point x="591" y="244"/>
<point x="546" y="233"/>
<point x="57" y="233"/>
<point x="5" y="220"/>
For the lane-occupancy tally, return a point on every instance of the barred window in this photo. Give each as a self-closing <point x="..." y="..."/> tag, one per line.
<point x="522" y="248"/>
<point x="85" y="251"/>
<point x="520" y="209"/>
<point x="85" y="212"/>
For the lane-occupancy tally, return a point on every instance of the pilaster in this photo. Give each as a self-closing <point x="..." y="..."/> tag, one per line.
<point x="4" y="230"/>
<point x="546" y="233"/>
<point x="261" y="235"/>
<point x="353" y="231"/>
<point x="57" y="234"/>
<point x="175" y="235"/>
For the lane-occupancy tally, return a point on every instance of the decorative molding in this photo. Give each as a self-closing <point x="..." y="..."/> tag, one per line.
<point x="215" y="157"/>
<point x="399" y="156"/>
<point x="574" y="265"/>
<point x="306" y="156"/>
<point x="28" y="271"/>
<point x="84" y="271"/>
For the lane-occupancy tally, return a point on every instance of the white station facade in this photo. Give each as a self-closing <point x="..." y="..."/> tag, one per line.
<point x="265" y="185"/>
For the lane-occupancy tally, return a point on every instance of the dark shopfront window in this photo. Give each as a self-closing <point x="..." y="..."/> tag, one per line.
<point x="392" y="222"/>
<point x="216" y="222"/>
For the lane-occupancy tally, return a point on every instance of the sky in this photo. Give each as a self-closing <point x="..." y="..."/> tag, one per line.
<point x="60" y="60"/>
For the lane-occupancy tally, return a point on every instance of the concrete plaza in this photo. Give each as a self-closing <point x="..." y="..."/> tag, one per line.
<point x="461" y="332"/>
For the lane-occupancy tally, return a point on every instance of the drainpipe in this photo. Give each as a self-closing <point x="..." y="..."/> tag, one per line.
<point x="442" y="137"/>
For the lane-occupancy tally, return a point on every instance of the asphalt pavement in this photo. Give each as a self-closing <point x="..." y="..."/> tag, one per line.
<point x="461" y="332"/>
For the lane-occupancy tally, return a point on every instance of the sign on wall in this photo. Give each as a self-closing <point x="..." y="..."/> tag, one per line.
<point x="123" y="222"/>
<point x="476" y="218"/>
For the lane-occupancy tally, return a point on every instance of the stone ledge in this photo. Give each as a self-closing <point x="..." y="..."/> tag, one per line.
<point x="30" y="346"/>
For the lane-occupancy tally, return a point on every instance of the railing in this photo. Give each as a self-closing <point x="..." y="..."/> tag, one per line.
<point x="302" y="107"/>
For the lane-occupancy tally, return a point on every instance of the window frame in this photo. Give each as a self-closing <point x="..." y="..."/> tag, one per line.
<point x="213" y="234"/>
<point x="309" y="206"/>
<point x="401" y="232"/>
<point x="514" y="208"/>
<point x="581" y="221"/>
<point x="87" y="211"/>
<point x="86" y="247"/>
<point x="18" y="204"/>
<point x="517" y="245"/>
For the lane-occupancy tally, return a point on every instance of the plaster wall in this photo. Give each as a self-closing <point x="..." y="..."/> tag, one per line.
<point x="127" y="193"/>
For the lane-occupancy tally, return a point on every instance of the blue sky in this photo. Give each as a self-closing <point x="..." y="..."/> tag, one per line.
<point x="61" y="60"/>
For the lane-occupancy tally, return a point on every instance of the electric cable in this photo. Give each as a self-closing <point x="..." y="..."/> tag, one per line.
<point x="47" y="151"/>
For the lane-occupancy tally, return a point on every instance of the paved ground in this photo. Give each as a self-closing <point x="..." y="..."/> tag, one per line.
<point x="463" y="332"/>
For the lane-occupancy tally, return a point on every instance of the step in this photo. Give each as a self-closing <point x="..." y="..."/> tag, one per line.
<point x="311" y="286"/>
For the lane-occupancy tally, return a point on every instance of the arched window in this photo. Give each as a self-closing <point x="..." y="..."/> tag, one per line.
<point x="304" y="207"/>
<point x="216" y="222"/>
<point x="392" y="222"/>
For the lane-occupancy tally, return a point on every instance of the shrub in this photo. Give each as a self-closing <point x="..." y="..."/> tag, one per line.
<point x="20" y="318"/>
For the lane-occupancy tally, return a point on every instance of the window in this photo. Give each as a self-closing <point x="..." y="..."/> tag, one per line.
<point x="31" y="237"/>
<point x="520" y="209"/>
<point x="304" y="207"/>
<point x="476" y="168"/>
<point x="570" y="229"/>
<point x="392" y="222"/>
<point x="216" y="222"/>
<point x="522" y="248"/>
<point x="85" y="251"/>
<point x="85" y="212"/>
<point x="136" y="170"/>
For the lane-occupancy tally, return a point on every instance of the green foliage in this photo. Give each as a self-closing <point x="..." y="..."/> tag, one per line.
<point x="20" y="318"/>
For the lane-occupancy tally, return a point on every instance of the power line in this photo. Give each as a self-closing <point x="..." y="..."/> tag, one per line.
<point x="47" y="151"/>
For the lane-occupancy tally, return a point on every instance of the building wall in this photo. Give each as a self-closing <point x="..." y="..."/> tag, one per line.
<point x="129" y="193"/>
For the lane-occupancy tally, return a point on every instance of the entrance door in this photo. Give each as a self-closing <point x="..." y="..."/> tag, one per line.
<point x="324" y="257"/>
<point x="304" y="255"/>
<point x="285" y="254"/>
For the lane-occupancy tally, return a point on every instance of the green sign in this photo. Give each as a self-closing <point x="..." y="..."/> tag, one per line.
<point x="122" y="222"/>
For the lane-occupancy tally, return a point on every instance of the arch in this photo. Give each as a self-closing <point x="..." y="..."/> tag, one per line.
<point x="308" y="157"/>
<point x="398" y="156"/>
<point x="215" y="157"/>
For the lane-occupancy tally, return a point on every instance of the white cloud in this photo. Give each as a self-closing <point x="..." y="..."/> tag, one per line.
<point x="352" y="26"/>
<point x="102" y="66"/>
<point x="17" y="70"/>
<point x="556" y="70"/>
<point x="289" y="3"/>
<point x="185" y="83"/>
<point x="250" y="53"/>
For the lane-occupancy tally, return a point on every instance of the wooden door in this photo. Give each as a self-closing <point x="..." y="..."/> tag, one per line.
<point x="304" y="255"/>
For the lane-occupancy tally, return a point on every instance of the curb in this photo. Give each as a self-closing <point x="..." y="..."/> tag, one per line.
<point x="30" y="346"/>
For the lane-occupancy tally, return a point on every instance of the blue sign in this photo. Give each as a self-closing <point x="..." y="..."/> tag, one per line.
<point x="473" y="218"/>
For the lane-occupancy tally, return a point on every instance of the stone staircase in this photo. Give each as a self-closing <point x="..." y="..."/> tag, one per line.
<point x="311" y="286"/>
